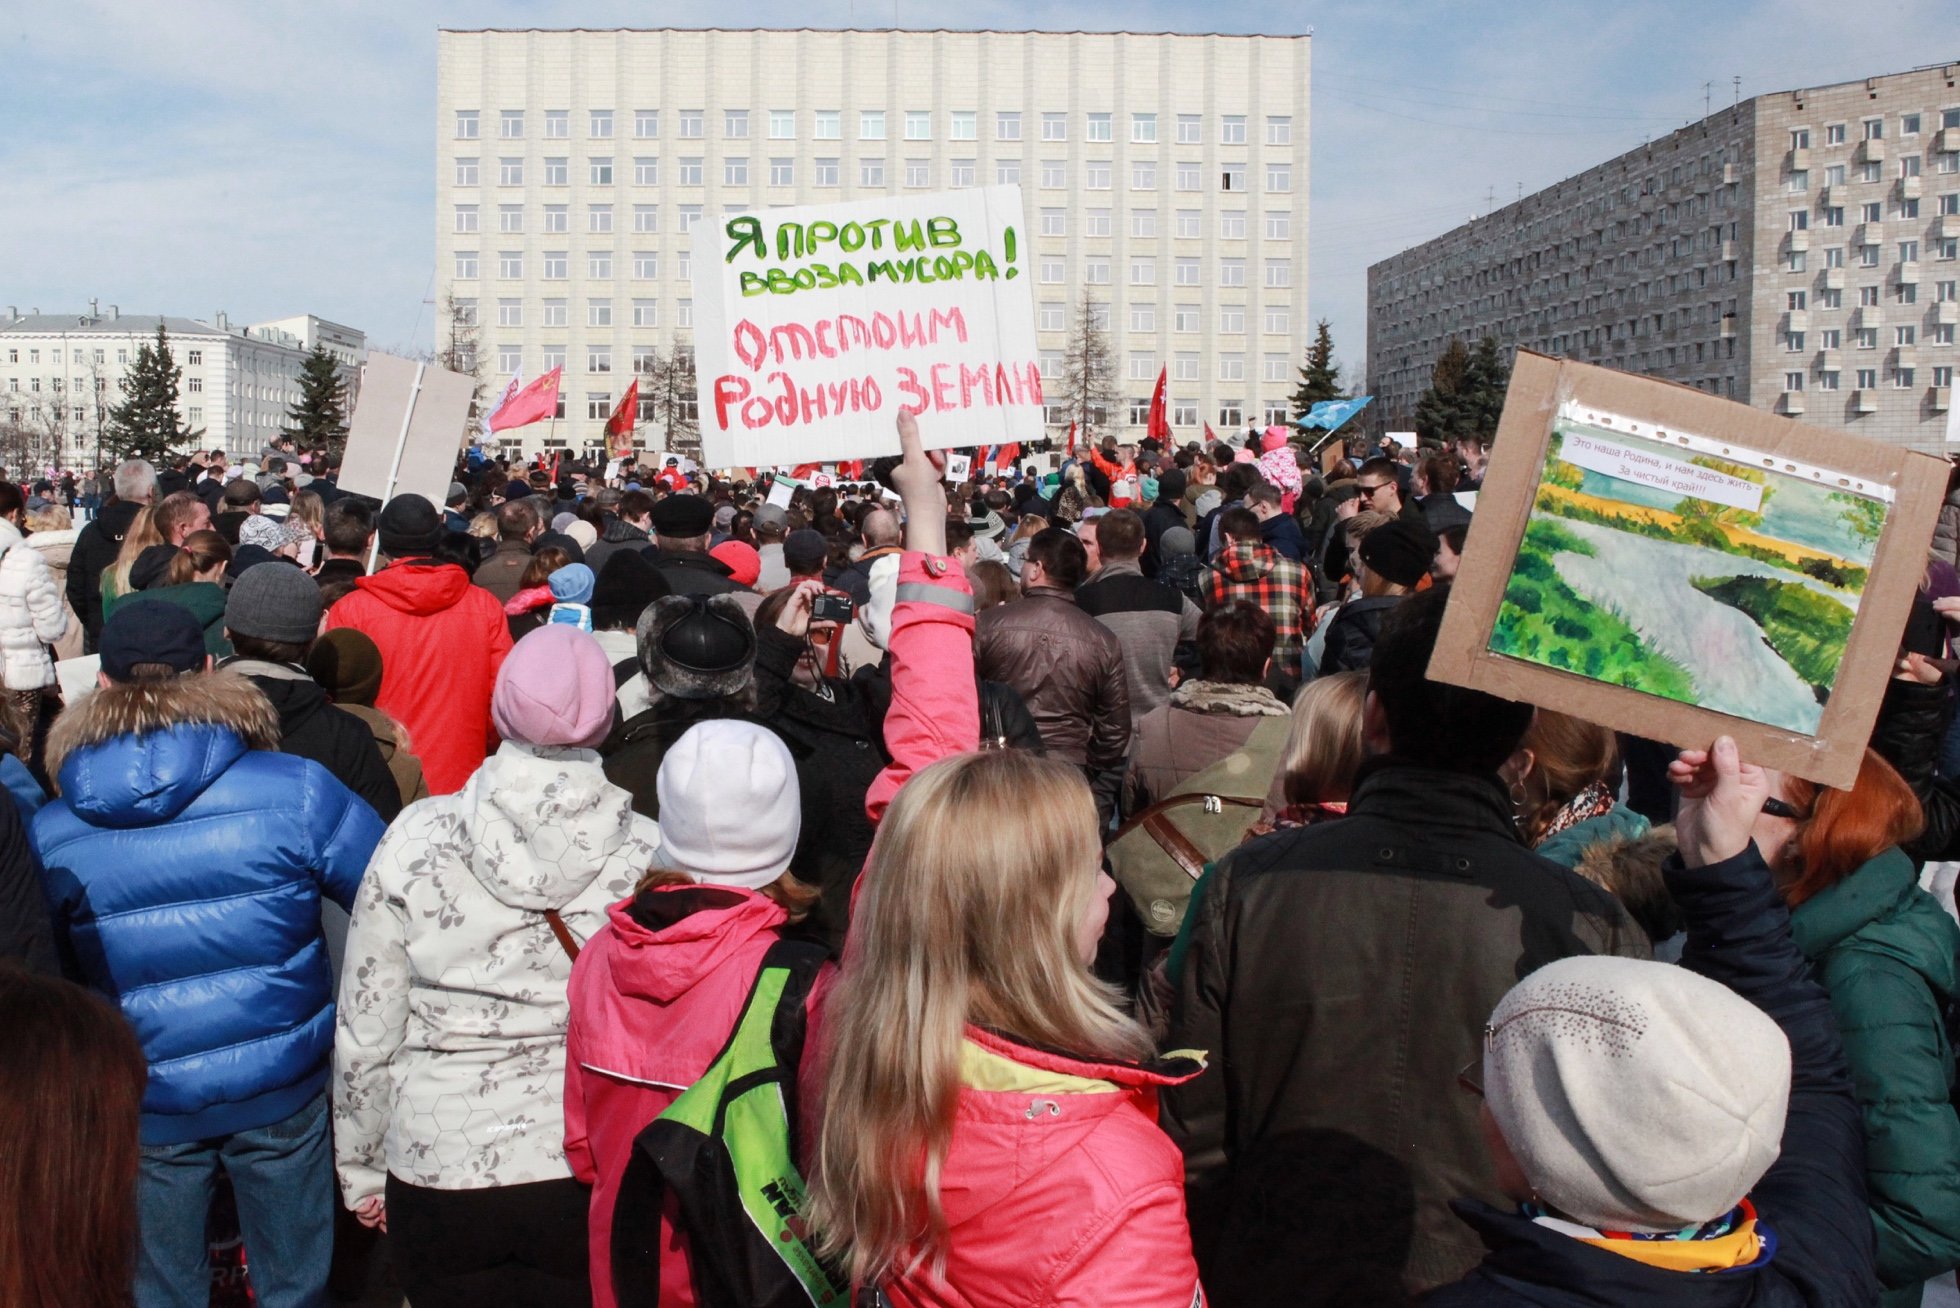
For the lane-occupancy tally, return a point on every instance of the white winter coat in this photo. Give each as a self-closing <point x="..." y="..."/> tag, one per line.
<point x="31" y="613"/>
<point x="449" y="1053"/>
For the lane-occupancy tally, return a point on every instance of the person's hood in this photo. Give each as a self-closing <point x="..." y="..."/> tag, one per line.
<point x="1545" y="1267"/>
<point x="57" y="542"/>
<point x="296" y="697"/>
<point x="1245" y="561"/>
<point x="669" y="937"/>
<point x="537" y="597"/>
<point x="137" y="754"/>
<point x="1882" y="906"/>
<point x="997" y="1076"/>
<point x="1281" y="527"/>
<point x="204" y="599"/>
<point x="619" y="531"/>
<point x="115" y="518"/>
<point x="417" y="587"/>
<point x="542" y="823"/>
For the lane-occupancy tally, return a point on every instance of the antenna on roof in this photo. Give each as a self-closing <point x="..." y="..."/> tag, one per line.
<point x="1737" y="79"/>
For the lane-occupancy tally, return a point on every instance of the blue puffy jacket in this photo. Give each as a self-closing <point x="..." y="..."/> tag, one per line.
<point x="185" y="862"/>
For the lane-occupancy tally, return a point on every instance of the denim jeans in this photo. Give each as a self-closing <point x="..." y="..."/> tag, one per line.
<point x="282" y="1176"/>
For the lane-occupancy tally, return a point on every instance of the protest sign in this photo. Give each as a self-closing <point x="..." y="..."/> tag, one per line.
<point x="1680" y="566"/>
<point x="407" y="426"/>
<point x="814" y="326"/>
<point x="957" y="466"/>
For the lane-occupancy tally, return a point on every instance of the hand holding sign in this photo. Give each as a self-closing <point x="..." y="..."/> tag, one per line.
<point x="918" y="477"/>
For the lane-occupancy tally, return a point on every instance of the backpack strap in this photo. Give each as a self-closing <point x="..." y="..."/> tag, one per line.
<point x="624" y="671"/>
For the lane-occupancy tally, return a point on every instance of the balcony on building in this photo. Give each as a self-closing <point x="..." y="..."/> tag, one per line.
<point x="1792" y="403"/>
<point x="1909" y="188"/>
<point x="1907" y="274"/>
<point x="1796" y="320"/>
<point x="1869" y="234"/>
<point x="1731" y="250"/>
<point x="1871" y="151"/>
<point x="1799" y="161"/>
<point x="1947" y="227"/>
<point x="1864" y="401"/>
<point x="1941" y="397"/>
<point x="1947" y="141"/>
<point x="1800" y="240"/>
<point x="1947" y="311"/>
<point x="1834" y="279"/>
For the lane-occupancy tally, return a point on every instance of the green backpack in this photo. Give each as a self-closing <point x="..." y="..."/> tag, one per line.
<point x="1159" y="855"/>
<point x="726" y="1150"/>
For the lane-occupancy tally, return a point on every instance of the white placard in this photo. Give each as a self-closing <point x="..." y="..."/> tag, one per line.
<point x="1952" y="423"/>
<point x="1468" y="499"/>
<point x="76" y="677"/>
<point x="957" y="467"/>
<point x="780" y="491"/>
<point x="1657" y="470"/>
<point x="814" y="326"/>
<point x="383" y="458"/>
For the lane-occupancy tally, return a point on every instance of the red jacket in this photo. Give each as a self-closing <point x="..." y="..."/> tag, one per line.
<point x="935" y="709"/>
<point x="442" y="641"/>
<point x="654" y="996"/>
<point x="1060" y="1190"/>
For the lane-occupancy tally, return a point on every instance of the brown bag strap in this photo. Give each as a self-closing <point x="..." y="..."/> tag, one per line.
<point x="1156" y="823"/>
<point x="563" y="932"/>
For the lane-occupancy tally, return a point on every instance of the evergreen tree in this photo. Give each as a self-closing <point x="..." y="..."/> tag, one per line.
<point x="1320" y="379"/>
<point x="1086" y="389"/>
<point x="1485" y="378"/>
<point x="1439" y="414"/>
<point x="144" y="425"/>
<point x="318" y="418"/>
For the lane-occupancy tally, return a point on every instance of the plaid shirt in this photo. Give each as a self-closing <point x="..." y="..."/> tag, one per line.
<point x="1259" y="575"/>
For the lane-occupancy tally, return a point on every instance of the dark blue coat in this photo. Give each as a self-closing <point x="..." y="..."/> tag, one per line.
<point x="1812" y="1198"/>
<point x="185" y="870"/>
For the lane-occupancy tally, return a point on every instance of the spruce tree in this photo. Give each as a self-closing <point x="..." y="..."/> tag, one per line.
<point x="1320" y="379"/>
<point x="1485" y="378"/>
<point x="1439" y="413"/>
<point x="318" y="418"/>
<point x="144" y="425"/>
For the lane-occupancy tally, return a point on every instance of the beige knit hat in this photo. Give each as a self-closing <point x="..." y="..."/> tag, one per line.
<point x="1636" y="1096"/>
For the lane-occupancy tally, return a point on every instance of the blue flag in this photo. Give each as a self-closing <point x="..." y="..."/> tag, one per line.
<point x="1330" y="414"/>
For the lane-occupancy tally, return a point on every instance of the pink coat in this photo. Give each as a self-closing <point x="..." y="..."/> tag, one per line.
<point x="1060" y="1190"/>
<point x="654" y="996"/>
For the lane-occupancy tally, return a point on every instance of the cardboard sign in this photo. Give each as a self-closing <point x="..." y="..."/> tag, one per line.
<point x="816" y="325"/>
<point x="1679" y="566"/>
<point x="957" y="467"/>
<point x="402" y="439"/>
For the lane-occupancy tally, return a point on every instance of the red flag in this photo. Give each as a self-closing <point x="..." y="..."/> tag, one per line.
<point x="1211" y="438"/>
<point x="804" y="471"/>
<point x="1071" y="441"/>
<point x="1159" y="425"/>
<point x="1007" y="454"/>
<point x="619" y="427"/>
<point x="534" y="403"/>
<point x="980" y="456"/>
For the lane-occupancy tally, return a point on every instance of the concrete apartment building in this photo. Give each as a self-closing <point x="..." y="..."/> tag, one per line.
<point x="61" y="374"/>
<point x="1164" y="175"/>
<point x="1799" y="252"/>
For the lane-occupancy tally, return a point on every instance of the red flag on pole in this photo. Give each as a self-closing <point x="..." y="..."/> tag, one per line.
<point x="1159" y="425"/>
<point x="1071" y="441"/>
<point x="1004" y="458"/>
<point x="1211" y="438"/>
<point x="534" y="403"/>
<point x="619" y="427"/>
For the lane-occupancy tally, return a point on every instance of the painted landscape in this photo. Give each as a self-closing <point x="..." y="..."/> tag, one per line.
<point x="1744" y="611"/>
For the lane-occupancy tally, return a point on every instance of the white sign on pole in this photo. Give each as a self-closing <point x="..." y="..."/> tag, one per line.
<point x="957" y="466"/>
<point x="407" y="427"/>
<point x="815" y="326"/>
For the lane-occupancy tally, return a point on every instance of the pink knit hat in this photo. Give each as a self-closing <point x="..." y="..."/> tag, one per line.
<point x="554" y="689"/>
<point x="1274" y="438"/>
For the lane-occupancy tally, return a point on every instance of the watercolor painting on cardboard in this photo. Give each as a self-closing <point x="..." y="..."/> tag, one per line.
<point x="1685" y="567"/>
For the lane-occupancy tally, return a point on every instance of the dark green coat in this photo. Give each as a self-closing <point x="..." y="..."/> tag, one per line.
<point x="1884" y="950"/>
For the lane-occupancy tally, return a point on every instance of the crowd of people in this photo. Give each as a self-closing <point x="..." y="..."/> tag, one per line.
<point x="656" y="889"/>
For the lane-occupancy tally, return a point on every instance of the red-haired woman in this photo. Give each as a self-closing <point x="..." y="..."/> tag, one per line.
<point x="1884" y="950"/>
<point x="71" y="1080"/>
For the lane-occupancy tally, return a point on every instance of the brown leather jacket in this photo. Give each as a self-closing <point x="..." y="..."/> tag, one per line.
<point x="1069" y="669"/>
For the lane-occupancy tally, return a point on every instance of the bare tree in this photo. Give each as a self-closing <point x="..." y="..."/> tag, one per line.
<point x="668" y="399"/>
<point x="1086" y="389"/>
<point x="461" y="334"/>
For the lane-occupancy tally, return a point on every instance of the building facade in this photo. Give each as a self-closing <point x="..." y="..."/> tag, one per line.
<point x="1164" y="176"/>
<point x="1799" y="252"/>
<point x="61" y="375"/>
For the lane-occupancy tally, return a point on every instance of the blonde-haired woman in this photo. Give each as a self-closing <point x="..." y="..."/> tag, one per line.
<point x="966" y="1038"/>
<point x="309" y="511"/>
<point x="1324" y="750"/>
<point x="141" y="535"/>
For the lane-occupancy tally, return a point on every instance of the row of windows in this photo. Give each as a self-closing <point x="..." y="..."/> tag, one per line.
<point x="555" y="266"/>
<point x="1797" y="181"/>
<point x="1097" y="175"/>
<point x="1943" y="250"/>
<point x="1945" y="205"/>
<point x="1277" y="320"/>
<point x="599" y="218"/>
<point x="1871" y="129"/>
<point x="1866" y="379"/>
<point x="1904" y="336"/>
<point x="191" y="357"/>
<point x="1868" y="296"/>
<point x="828" y="125"/>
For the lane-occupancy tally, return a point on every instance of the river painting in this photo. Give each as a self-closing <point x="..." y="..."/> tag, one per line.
<point x="1739" y="597"/>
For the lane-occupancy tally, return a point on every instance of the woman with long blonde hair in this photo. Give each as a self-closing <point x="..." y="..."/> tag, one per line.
<point x="966" y="1036"/>
<point x="141" y="535"/>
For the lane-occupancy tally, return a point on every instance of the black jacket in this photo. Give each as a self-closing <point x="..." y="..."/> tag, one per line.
<point x="1160" y="518"/>
<point x="1339" y="975"/>
<point x="1004" y="718"/>
<point x="839" y="750"/>
<point x="632" y="753"/>
<point x="1912" y="721"/>
<point x="96" y="547"/>
<point x="1812" y="1197"/>
<point x="311" y="727"/>
<point x="26" y="927"/>
<point x="1351" y="637"/>
<point x="618" y="535"/>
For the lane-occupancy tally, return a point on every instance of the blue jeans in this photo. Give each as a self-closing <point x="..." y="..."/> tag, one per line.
<point x="282" y="1176"/>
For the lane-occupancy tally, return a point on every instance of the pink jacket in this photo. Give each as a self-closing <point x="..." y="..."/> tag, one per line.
<point x="1059" y="1188"/>
<point x="654" y="996"/>
<point x="935" y="709"/>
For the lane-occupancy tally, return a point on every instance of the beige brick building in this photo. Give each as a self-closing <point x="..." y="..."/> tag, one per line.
<point x="1165" y="175"/>
<point x="1799" y="252"/>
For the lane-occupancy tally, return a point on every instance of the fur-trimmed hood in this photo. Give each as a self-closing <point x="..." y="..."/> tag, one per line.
<point x="139" y="752"/>
<point x="1224" y="697"/>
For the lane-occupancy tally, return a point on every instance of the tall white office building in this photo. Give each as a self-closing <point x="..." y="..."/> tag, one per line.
<point x="1165" y="176"/>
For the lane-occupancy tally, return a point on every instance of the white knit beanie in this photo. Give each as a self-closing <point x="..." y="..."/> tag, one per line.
<point x="729" y="805"/>
<point x="1636" y="1096"/>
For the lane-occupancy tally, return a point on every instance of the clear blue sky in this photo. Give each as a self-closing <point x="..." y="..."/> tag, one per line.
<point x="276" y="158"/>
